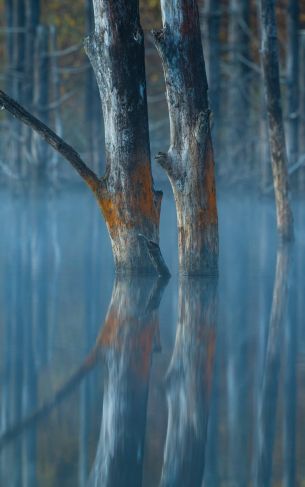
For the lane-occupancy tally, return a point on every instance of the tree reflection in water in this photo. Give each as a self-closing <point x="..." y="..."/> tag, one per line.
<point x="188" y="383"/>
<point x="127" y="340"/>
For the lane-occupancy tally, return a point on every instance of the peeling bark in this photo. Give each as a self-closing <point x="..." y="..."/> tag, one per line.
<point x="189" y="162"/>
<point x="270" y="64"/>
<point x="127" y="197"/>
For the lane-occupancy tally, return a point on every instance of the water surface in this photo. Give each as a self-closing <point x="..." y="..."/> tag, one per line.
<point x="187" y="383"/>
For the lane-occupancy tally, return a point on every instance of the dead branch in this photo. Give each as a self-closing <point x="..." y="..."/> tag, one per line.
<point x="51" y="138"/>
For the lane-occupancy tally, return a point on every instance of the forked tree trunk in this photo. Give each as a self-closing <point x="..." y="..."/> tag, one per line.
<point x="189" y="162"/>
<point x="270" y="64"/>
<point x="127" y="197"/>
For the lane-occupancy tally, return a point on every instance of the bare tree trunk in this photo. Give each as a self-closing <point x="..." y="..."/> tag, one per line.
<point x="9" y="40"/>
<point x="93" y="112"/>
<point x="127" y="198"/>
<point x="55" y="90"/>
<point x="293" y="81"/>
<point x="270" y="64"/>
<point x="40" y="150"/>
<point x="32" y="21"/>
<point x="213" y="16"/>
<point x="239" y="87"/>
<point x="302" y="88"/>
<point x="17" y="81"/>
<point x="189" y="162"/>
<point x="32" y="9"/>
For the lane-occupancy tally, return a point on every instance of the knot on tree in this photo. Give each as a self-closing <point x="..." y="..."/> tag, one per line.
<point x="202" y="125"/>
<point x="164" y="161"/>
<point x="160" y="39"/>
<point x="138" y="35"/>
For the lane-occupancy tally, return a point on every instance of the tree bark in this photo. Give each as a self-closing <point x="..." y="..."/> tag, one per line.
<point x="189" y="162"/>
<point x="270" y="64"/>
<point x="127" y="197"/>
<point x="212" y="24"/>
<point x="293" y="81"/>
<point x="93" y="112"/>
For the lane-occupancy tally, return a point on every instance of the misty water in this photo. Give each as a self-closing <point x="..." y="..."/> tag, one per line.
<point x="187" y="383"/>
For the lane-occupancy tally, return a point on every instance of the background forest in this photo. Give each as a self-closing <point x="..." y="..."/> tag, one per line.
<point x="44" y="66"/>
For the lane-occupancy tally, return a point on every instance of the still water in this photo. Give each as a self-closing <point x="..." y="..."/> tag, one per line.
<point x="138" y="382"/>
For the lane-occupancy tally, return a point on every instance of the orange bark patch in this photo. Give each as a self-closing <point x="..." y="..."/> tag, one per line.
<point x="129" y="209"/>
<point x="210" y="184"/>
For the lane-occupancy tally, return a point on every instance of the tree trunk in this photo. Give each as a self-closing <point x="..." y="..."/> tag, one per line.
<point x="238" y="110"/>
<point x="212" y="15"/>
<point x="32" y="9"/>
<point x="270" y="64"/>
<point x="189" y="162"/>
<point x="127" y="197"/>
<point x="9" y="39"/>
<point x="40" y="150"/>
<point x="17" y="81"/>
<point x="93" y="112"/>
<point x="293" y="80"/>
<point x="32" y="21"/>
<point x="56" y="95"/>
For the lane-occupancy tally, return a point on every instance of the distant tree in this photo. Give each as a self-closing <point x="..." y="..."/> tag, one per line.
<point x="212" y="15"/>
<point x="93" y="115"/>
<point x="238" y="108"/>
<point x="293" y="80"/>
<point x="189" y="163"/>
<point x="270" y="64"/>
